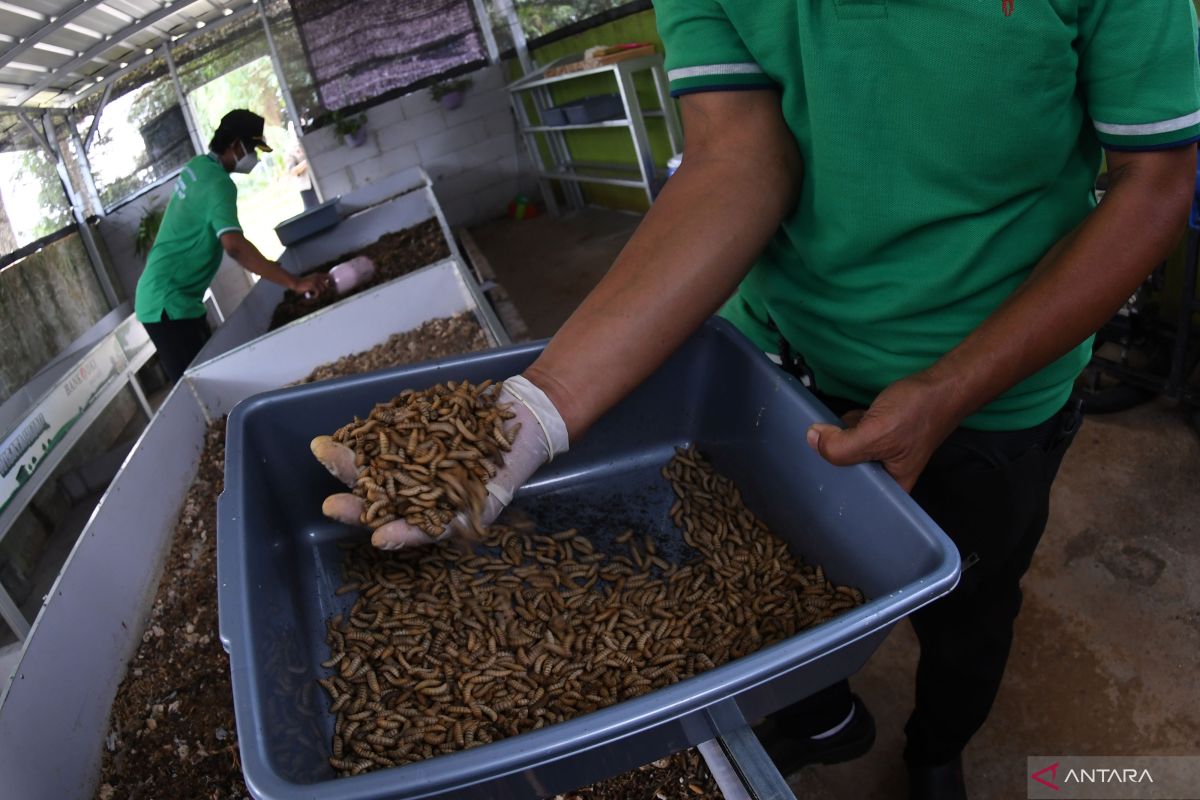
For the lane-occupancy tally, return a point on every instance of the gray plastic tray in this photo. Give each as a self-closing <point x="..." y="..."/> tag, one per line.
<point x="308" y="222"/>
<point x="278" y="565"/>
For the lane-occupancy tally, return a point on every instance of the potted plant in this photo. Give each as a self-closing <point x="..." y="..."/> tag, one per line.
<point x="147" y="230"/>
<point x="450" y="93"/>
<point x="351" y="131"/>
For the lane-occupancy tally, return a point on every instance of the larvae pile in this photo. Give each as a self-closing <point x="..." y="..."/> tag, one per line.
<point x="426" y="456"/>
<point x="451" y="646"/>
<point x="437" y="338"/>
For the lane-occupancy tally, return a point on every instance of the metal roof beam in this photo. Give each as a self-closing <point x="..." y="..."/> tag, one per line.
<point x="108" y="43"/>
<point x="87" y="91"/>
<point x="91" y="134"/>
<point x="55" y="24"/>
<point x="38" y="136"/>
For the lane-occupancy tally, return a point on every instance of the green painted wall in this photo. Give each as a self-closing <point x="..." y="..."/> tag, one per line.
<point x="610" y="145"/>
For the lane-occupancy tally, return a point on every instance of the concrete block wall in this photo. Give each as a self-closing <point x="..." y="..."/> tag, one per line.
<point x="473" y="153"/>
<point x="47" y="300"/>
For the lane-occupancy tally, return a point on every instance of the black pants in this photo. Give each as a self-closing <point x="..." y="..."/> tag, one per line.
<point x="177" y="341"/>
<point x="990" y="492"/>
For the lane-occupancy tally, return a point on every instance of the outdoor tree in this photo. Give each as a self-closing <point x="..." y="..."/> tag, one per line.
<point x="539" y="17"/>
<point x="36" y="171"/>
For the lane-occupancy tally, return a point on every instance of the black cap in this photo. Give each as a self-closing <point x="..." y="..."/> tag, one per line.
<point x="239" y="124"/>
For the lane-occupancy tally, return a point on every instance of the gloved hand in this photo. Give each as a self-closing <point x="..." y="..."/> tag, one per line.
<point x="543" y="435"/>
<point x="312" y="285"/>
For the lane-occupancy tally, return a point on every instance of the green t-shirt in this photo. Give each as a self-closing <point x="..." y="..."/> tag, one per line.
<point x="948" y="144"/>
<point x="187" y="251"/>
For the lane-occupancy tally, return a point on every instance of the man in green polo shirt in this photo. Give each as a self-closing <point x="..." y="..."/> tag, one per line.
<point x="200" y="226"/>
<point x="895" y="198"/>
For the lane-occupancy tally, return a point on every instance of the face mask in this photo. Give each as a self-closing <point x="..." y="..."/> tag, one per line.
<point x="247" y="162"/>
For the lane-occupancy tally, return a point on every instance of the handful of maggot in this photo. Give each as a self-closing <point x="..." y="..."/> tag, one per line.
<point x="426" y="456"/>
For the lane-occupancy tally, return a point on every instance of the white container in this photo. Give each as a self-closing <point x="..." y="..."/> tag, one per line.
<point x="354" y="272"/>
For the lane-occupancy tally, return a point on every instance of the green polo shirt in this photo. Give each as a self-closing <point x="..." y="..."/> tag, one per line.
<point x="187" y="251"/>
<point x="948" y="144"/>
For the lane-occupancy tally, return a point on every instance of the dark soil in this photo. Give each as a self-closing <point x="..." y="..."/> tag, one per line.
<point x="394" y="254"/>
<point x="438" y="338"/>
<point x="172" y="728"/>
<point x="683" y="776"/>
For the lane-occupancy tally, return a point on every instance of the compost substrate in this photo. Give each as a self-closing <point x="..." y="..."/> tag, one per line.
<point x="394" y="254"/>
<point x="682" y="776"/>
<point x="172" y="733"/>
<point x="437" y="338"/>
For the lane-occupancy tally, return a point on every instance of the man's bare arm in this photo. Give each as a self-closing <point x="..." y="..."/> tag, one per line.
<point x="739" y="179"/>
<point x="243" y="251"/>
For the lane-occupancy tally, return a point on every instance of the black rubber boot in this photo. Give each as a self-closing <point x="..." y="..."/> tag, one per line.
<point x="790" y="753"/>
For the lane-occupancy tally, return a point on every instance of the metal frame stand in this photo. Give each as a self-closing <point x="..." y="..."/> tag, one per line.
<point x="561" y="168"/>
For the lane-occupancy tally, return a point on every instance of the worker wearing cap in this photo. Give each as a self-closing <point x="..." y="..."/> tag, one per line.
<point x="898" y="197"/>
<point x="199" y="226"/>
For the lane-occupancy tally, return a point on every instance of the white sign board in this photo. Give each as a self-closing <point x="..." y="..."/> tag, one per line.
<point x="26" y="447"/>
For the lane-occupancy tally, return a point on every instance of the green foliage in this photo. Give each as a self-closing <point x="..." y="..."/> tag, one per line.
<point x="440" y="90"/>
<point x="347" y="126"/>
<point x="147" y="230"/>
<point x="539" y="17"/>
<point x="37" y="171"/>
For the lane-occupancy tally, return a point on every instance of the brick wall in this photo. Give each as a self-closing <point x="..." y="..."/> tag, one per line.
<point x="471" y="153"/>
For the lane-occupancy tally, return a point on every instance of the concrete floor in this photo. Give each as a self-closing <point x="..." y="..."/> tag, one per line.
<point x="548" y="265"/>
<point x="1105" y="659"/>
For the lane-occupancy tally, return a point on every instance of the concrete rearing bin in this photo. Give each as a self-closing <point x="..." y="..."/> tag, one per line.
<point x="385" y="206"/>
<point x="54" y="714"/>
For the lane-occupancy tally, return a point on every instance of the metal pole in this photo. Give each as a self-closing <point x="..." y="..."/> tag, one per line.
<point x="505" y="7"/>
<point x="85" y="230"/>
<point x="99" y="110"/>
<point x="37" y="135"/>
<point x="485" y="27"/>
<point x="184" y="106"/>
<point x="758" y="773"/>
<point x="289" y="102"/>
<point x="637" y="129"/>
<point x="85" y="166"/>
<point x="140" y="394"/>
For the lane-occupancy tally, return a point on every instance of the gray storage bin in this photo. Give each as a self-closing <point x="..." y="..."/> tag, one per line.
<point x="595" y="109"/>
<point x="556" y="115"/>
<point x="308" y="223"/>
<point x="278" y="564"/>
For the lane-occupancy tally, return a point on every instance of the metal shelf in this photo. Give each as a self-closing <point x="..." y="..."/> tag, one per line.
<point x="547" y="144"/>
<point x="583" y="126"/>
<point x="607" y="174"/>
<point x="537" y="78"/>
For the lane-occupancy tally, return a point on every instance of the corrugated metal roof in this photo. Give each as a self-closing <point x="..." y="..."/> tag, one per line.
<point x="53" y="51"/>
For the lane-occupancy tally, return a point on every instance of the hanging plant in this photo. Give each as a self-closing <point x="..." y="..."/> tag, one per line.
<point x="450" y="93"/>
<point x="147" y="230"/>
<point x="350" y="131"/>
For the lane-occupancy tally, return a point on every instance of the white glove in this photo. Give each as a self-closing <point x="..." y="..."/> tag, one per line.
<point x="543" y="435"/>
